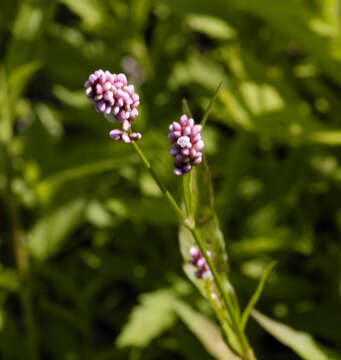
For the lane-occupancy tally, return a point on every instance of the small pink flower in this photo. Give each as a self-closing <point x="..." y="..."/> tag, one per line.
<point x="187" y="144"/>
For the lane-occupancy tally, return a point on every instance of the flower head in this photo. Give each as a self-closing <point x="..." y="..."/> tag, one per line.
<point x="116" y="99"/>
<point x="187" y="144"/>
<point x="198" y="260"/>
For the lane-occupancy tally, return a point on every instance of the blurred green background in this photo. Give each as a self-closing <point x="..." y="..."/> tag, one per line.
<point x="99" y="233"/>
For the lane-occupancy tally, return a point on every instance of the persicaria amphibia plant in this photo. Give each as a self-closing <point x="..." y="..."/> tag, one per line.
<point x="118" y="102"/>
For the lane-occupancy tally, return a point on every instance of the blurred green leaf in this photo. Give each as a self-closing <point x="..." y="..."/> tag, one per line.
<point x="302" y="343"/>
<point x="9" y="279"/>
<point x="46" y="188"/>
<point x="19" y="78"/>
<point x="50" y="121"/>
<point x="198" y="69"/>
<point x="71" y="98"/>
<point x="211" y="26"/>
<point x="98" y="215"/>
<point x="91" y="11"/>
<point x="50" y="233"/>
<point x="27" y="30"/>
<point x="149" y="319"/>
<point x="206" y="331"/>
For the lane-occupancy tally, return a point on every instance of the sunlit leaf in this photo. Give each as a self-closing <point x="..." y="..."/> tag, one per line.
<point x="300" y="342"/>
<point x="149" y="319"/>
<point x="211" y="26"/>
<point x="206" y="331"/>
<point x="91" y="12"/>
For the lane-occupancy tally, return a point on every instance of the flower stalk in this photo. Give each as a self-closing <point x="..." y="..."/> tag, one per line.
<point x="247" y="353"/>
<point x="162" y="187"/>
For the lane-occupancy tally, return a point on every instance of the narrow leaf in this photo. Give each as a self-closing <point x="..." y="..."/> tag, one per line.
<point x="186" y="108"/>
<point x="300" y="342"/>
<point x="209" y="108"/>
<point x="49" y="234"/>
<point x="48" y="186"/>
<point x="149" y="319"/>
<point x="256" y="294"/>
<point x="19" y="79"/>
<point x="206" y="331"/>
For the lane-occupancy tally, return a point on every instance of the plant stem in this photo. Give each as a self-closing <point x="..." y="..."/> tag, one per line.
<point x="228" y="302"/>
<point x="22" y="260"/>
<point x="162" y="187"/>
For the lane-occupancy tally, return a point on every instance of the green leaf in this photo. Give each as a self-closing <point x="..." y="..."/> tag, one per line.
<point x="255" y="297"/>
<point x="71" y="98"/>
<point x="199" y="69"/>
<point x="47" y="187"/>
<point x="149" y="319"/>
<point x="50" y="232"/>
<point x="208" y="225"/>
<point x="27" y="29"/>
<point x="98" y="215"/>
<point x="187" y="183"/>
<point x="206" y="218"/>
<point x="206" y="331"/>
<point x="49" y="120"/>
<point x="209" y="108"/>
<point x="300" y="342"/>
<point x="211" y="26"/>
<point x="9" y="279"/>
<point x="325" y="137"/>
<point x="19" y="78"/>
<point x="91" y="11"/>
<point x="186" y="109"/>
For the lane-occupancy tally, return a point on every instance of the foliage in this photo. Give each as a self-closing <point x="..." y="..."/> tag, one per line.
<point x="98" y="231"/>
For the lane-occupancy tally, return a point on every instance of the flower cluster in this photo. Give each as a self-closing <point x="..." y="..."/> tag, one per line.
<point x="187" y="144"/>
<point x="115" y="99"/>
<point x="118" y="135"/>
<point x="197" y="259"/>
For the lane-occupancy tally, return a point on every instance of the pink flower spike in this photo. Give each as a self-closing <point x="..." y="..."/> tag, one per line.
<point x="106" y="90"/>
<point x="187" y="144"/>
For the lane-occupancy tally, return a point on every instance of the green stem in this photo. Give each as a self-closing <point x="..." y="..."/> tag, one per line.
<point x="228" y="301"/>
<point x="162" y="187"/>
<point x="22" y="260"/>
